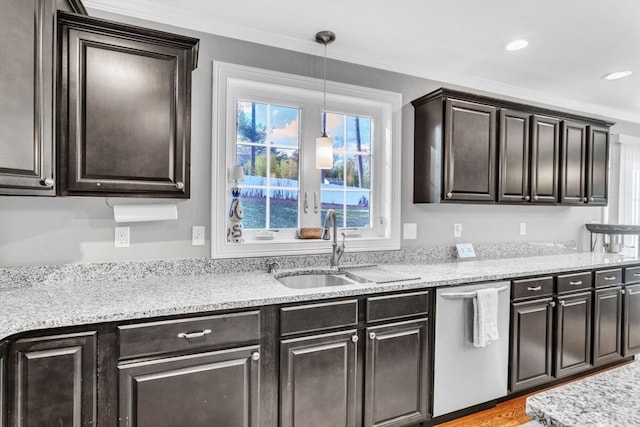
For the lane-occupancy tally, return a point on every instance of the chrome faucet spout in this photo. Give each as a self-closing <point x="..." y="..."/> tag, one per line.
<point x="338" y="250"/>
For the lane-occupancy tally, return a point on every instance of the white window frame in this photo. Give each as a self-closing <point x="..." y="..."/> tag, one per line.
<point x="232" y="82"/>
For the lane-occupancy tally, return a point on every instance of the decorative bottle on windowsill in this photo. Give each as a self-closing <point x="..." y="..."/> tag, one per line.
<point x="234" y="230"/>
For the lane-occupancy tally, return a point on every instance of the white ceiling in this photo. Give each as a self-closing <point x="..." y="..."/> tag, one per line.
<point x="573" y="43"/>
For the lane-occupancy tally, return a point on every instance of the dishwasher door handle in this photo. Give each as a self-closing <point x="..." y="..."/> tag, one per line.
<point x="463" y="295"/>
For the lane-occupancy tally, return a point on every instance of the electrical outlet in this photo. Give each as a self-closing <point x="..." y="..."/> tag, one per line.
<point x="457" y="230"/>
<point x="409" y="231"/>
<point x="197" y="235"/>
<point x="523" y="228"/>
<point x="122" y="237"/>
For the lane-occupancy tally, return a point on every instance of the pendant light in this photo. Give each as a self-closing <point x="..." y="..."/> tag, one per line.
<point x="324" y="144"/>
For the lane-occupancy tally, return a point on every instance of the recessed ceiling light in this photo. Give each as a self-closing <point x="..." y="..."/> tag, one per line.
<point x="516" y="45"/>
<point x="617" y="75"/>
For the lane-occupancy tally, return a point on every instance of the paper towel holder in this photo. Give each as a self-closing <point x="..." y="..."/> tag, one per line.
<point x="145" y="213"/>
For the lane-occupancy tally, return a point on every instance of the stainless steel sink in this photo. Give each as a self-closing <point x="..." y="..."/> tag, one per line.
<point x="315" y="280"/>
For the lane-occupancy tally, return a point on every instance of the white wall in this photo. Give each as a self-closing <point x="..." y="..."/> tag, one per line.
<point x="40" y="231"/>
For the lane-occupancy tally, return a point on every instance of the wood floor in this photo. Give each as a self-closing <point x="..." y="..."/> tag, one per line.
<point x="506" y="414"/>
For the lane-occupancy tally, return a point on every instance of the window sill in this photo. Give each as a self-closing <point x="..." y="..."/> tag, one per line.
<point x="284" y="247"/>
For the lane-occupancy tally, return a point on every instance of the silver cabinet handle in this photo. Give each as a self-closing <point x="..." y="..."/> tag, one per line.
<point x="449" y="195"/>
<point x="255" y="356"/>
<point x="623" y="291"/>
<point x="585" y="199"/>
<point x="535" y="197"/>
<point x="305" y="203"/>
<point x="372" y="335"/>
<point x="534" y="288"/>
<point x="315" y="202"/>
<point x="179" y="185"/>
<point x="576" y="283"/>
<point x="636" y="274"/>
<point x="610" y="278"/>
<point x="562" y="303"/>
<point x="354" y="338"/>
<point x="552" y="303"/>
<point x="191" y="335"/>
<point x="527" y="198"/>
<point x="48" y="182"/>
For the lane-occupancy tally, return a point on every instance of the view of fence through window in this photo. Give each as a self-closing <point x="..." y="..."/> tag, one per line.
<point x="347" y="187"/>
<point x="268" y="148"/>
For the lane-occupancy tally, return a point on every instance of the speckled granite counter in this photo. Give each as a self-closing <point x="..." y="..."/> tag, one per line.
<point x="608" y="399"/>
<point x="85" y="300"/>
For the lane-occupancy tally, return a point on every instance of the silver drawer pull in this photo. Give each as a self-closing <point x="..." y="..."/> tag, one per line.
<point x="552" y="303"/>
<point x="576" y="283"/>
<point x="191" y="335"/>
<point x="636" y="274"/>
<point x="255" y="356"/>
<point x="534" y="288"/>
<point x="562" y="303"/>
<point x="610" y="278"/>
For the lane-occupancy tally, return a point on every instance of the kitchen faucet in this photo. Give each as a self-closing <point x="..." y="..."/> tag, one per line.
<point x="338" y="251"/>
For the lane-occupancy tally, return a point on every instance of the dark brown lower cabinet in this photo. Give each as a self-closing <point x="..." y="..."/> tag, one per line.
<point x="318" y="380"/>
<point x="3" y="393"/>
<point x="532" y="343"/>
<point x="217" y="388"/>
<point x="607" y="325"/>
<point x="53" y="381"/>
<point x="573" y="332"/>
<point x="396" y="392"/>
<point x="631" y="322"/>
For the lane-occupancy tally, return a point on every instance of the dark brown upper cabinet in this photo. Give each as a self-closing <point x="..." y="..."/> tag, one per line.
<point x="597" y="165"/>
<point x="545" y="159"/>
<point x="124" y="109"/>
<point x="573" y="163"/>
<point x="513" y="184"/>
<point x="26" y="104"/>
<point x="529" y="158"/>
<point x="474" y="148"/>
<point x="455" y="151"/>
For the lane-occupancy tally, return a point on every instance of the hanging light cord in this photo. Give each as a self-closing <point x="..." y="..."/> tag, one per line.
<point x="324" y="105"/>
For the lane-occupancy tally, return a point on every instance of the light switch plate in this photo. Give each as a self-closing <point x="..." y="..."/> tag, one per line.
<point x="409" y="231"/>
<point x="197" y="235"/>
<point x="457" y="230"/>
<point x="523" y="228"/>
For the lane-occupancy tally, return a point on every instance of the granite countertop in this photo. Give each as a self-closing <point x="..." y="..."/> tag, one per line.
<point x="81" y="300"/>
<point x="606" y="399"/>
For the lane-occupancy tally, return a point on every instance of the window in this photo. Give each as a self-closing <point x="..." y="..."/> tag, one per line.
<point x="629" y="186"/>
<point x="267" y="122"/>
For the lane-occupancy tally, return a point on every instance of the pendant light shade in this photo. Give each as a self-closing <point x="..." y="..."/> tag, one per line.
<point x="324" y="153"/>
<point x="324" y="144"/>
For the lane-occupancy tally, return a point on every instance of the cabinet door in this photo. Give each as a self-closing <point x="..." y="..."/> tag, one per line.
<point x="53" y="381"/>
<point x="631" y="325"/>
<point x="545" y="159"/>
<point x="3" y="387"/>
<point x="597" y="165"/>
<point x="26" y="92"/>
<point x="470" y="145"/>
<point x="125" y="110"/>
<point x="573" y="331"/>
<point x="573" y="163"/>
<point x="318" y="381"/>
<point x="607" y="325"/>
<point x="531" y="343"/>
<point x="396" y="386"/>
<point x="217" y="388"/>
<point x="513" y="183"/>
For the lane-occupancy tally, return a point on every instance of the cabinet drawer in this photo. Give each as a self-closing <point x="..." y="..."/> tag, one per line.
<point x="535" y="287"/>
<point x="170" y="336"/>
<point x="397" y="306"/>
<point x="632" y="275"/>
<point x="608" y="277"/>
<point x="316" y="317"/>
<point x="574" y="282"/>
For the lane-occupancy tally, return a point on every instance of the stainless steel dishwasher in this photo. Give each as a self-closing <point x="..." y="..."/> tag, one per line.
<point x="465" y="375"/>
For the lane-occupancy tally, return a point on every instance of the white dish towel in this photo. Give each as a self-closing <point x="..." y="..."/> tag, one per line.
<point x="485" y="317"/>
